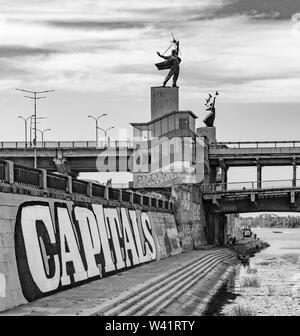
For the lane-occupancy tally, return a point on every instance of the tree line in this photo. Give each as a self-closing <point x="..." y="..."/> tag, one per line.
<point x="272" y="221"/>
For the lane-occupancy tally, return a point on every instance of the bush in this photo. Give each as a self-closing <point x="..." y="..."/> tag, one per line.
<point x="251" y="270"/>
<point x="250" y="281"/>
<point x="242" y="309"/>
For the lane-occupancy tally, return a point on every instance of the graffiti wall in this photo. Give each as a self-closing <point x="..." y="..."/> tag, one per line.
<point x="190" y="218"/>
<point x="157" y="179"/>
<point x="166" y="235"/>
<point x="49" y="245"/>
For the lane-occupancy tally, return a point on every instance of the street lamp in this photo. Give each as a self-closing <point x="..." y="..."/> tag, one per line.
<point x="25" y="122"/>
<point x="35" y="97"/>
<point x="31" y="126"/>
<point x="42" y="133"/>
<point x="96" y="120"/>
<point x="105" y="131"/>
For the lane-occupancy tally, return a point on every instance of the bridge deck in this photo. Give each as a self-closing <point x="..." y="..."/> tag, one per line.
<point x="245" y="192"/>
<point x="247" y="153"/>
<point x="67" y="144"/>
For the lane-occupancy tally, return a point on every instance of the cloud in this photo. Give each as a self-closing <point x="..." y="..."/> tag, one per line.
<point x="108" y="46"/>
<point x="92" y="24"/>
<point x="14" y="51"/>
<point x="258" y="9"/>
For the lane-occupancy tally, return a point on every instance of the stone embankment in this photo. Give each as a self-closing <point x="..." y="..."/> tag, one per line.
<point x="151" y="289"/>
<point x="208" y="290"/>
<point x="181" y="285"/>
<point x="249" y="246"/>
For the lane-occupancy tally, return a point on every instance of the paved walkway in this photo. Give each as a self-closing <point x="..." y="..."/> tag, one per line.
<point x="80" y="300"/>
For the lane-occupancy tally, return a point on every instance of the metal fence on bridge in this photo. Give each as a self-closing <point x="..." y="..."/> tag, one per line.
<point x="256" y="144"/>
<point x="251" y="185"/>
<point x="67" y="144"/>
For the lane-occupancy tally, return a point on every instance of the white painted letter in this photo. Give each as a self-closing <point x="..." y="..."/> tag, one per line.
<point x="146" y="225"/>
<point x="90" y="238"/>
<point x="143" y="257"/>
<point x="66" y="234"/>
<point x="128" y="240"/>
<point x="98" y="211"/>
<point x="113" y="223"/>
<point x="29" y="216"/>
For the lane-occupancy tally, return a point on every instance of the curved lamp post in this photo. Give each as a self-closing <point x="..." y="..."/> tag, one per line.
<point x="105" y="131"/>
<point x="42" y="133"/>
<point x="96" y="120"/>
<point x="25" y="122"/>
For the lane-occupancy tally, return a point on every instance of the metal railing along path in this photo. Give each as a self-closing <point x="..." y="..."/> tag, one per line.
<point x="67" y="144"/>
<point x="256" y="144"/>
<point x="251" y="185"/>
<point x="23" y="176"/>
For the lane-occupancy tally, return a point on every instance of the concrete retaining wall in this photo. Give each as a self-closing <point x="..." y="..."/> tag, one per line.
<point x="165" y="234"/>
<point x="189" y="215"/>
<point x="51" y="244"/>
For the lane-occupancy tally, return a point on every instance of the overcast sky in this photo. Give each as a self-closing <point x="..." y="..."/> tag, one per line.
<point x="99" y="57"/>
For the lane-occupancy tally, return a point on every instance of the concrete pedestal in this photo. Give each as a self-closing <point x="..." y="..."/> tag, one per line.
<point x="163" y="101"/>
<point x="208" y="132"/>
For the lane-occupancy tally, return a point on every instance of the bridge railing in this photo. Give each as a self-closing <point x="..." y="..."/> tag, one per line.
<point x="58" y="182"/>
<point x="251" y="185"/>
<point x="256" y="144"/>
<point x="23" y="176"/>
<point x="26" y="176"/>
<point x="67" y="144"/>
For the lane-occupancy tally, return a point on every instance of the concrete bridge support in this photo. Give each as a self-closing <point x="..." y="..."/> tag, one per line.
<point x="259" y="174"/>
<point x="216" y="226"/>
<point x="210" y="172"/>
<point x="63" y="167"/>
<point x="294" y="173"/>
<point x="224" y="178"/>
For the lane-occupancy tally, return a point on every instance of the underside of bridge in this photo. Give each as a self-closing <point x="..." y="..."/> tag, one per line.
<point x="223" y="156"/>
<point x="264" y="200"/>
<point x="219" y="205"/>
<point x="75" y="160"/>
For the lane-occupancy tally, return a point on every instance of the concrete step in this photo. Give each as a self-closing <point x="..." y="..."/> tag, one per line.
<point x="155" y="306"/>
<point x="102" y="308"/>
<point x="161" y="307"/>
<point x="163" y="285"/>
<point x="150" y="293"/>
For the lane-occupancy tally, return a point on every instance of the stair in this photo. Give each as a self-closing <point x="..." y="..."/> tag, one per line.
<point x="156" y="294"/>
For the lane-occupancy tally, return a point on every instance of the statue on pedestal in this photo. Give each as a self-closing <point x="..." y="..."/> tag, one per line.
<point x="210" y="118"/>
<point x="172" y="62"/>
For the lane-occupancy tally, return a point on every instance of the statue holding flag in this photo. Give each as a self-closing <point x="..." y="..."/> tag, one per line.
<point x="171" y="62"/>
<point x="210" y="106"/>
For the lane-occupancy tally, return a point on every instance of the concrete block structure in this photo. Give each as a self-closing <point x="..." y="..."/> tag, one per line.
<point x="171" y="158"/>
<point x="163" y="101"/>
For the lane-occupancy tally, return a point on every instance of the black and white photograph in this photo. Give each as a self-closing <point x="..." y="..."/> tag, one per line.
<point x="149" y="161"/>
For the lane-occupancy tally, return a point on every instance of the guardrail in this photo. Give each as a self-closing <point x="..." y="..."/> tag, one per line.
<point x="67" y="144"/>
<point x="251" y="185"/>
<point x="25" y="176"/>
<point x="28" y="177"/>
<point x="256" y="144"/>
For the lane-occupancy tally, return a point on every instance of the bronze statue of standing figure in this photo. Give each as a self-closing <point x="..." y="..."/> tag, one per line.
<point x="210" y="118"/>
<point x="172" y="62"/>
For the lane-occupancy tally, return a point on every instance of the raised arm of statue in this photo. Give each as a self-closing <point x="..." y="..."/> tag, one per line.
<point x="162" y="56"/>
